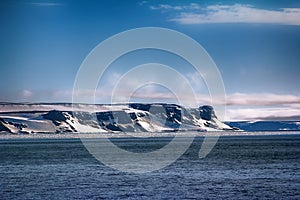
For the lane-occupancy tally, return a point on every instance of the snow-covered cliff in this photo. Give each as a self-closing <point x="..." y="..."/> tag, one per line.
<point x="133" y="117"/>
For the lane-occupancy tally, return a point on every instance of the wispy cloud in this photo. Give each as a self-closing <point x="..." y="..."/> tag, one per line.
<point x="26" y="93"/>
<point x="45" y="4"/>
<point x="237" y="13"/>
<point x="191" y="6"/>
<point x="143" y="3"/>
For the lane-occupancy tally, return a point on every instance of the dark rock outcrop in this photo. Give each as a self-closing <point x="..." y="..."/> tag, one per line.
<point x="3" y="128"/>
<point x="207" y="112"/>
<point x="55" y="115"/>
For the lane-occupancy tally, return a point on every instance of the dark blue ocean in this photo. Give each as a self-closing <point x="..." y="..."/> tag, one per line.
<point x="239" y="167"/>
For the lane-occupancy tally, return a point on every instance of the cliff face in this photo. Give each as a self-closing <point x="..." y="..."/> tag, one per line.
<point x="207" y="112"/>
<point x="134" y="117"/>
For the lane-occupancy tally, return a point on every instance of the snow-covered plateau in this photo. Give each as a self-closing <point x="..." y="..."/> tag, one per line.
<point x="84" y="118"/>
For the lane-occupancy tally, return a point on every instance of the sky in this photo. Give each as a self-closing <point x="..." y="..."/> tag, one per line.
<point x="254" y="44"/>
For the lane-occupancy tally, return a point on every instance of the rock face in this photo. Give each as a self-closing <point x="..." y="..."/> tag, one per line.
<point x="207" y="112"/>
<point x="134" y="117"/>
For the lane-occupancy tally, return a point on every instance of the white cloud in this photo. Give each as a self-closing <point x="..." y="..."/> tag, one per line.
<point x="237" y="13"/>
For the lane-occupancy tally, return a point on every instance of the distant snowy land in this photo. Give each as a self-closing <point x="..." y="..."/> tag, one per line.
<point x="27" y="118"/>
<point x="266" y="125"/>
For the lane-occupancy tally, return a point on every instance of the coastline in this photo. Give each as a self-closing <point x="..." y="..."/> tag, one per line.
<point x="8" y="136"/>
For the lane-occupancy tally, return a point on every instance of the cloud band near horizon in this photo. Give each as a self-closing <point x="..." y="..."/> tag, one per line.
<point x="240" y="106"/>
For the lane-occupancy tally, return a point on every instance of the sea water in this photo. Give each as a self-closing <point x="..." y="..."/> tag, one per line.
<point x="238" y="167"/>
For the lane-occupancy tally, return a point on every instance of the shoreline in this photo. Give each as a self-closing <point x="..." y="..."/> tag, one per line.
<point x="7" y="136"/>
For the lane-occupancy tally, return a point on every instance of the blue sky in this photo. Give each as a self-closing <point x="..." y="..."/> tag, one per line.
<point x="255" y="45"/>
